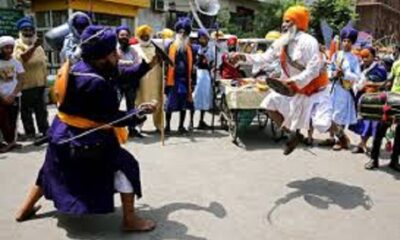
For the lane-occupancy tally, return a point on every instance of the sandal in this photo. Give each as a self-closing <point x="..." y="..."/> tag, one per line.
<point x="327" y="142"/>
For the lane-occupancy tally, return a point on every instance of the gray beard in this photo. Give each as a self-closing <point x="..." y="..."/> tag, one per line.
<point x="286" y="38"/>
<point x="181" y="43"/>
<point x="28" y="40"/>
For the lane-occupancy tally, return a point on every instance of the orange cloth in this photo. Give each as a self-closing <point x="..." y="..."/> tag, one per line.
<point x="299" y="15"/>
<point x="313" y="87"/>
<point x="171" y="70"/>
<point x="365" y="52"/>
<point x="60" y="86"/>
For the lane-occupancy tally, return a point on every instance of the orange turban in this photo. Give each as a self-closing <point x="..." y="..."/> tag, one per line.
<point x="299" y="15"/>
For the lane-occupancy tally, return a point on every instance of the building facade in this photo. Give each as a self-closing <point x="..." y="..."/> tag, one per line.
<point x="380" y="17"/>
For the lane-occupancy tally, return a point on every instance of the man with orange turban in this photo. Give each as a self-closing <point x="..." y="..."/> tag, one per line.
<point x="302" y="70"/>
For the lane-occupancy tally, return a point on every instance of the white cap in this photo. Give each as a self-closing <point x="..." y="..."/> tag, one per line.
<point x="6" y="40"/>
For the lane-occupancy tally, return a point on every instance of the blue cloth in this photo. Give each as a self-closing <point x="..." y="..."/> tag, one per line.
<point x="25" y="22"/>
<point x="184" y="23"/>
<point x="79" y="176"/>
<point x="122" y="27"/>
<point x="343" y="102"/>
<point x="95" y="47"/>
<point x="178" y="95"/>
<point x="349" y="33"/>
<point x="202" y="32"/>
<point x="203" y="94"/>
<point x="367" y="128"/>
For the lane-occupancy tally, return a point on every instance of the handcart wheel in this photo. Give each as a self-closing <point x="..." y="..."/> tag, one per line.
<point x="277" y="134"/>
<point x="224" y="113"/>
<point x="233" y="125"/>
<point x="262" y="119"/>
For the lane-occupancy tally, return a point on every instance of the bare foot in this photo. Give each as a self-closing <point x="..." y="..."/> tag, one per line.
<point x="139" y="225"/>
<point x="24" y="214"/>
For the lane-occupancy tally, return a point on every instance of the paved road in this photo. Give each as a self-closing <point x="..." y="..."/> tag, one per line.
<point x="204" y="187"/>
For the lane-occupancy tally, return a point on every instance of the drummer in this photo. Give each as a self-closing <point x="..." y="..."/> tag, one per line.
<point x="373" y="77"/>
<point x="382" y="128"/>
<point x="303" y="71"/>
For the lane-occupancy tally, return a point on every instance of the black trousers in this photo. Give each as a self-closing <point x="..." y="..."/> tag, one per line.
<point x="129" y="93"/>
<point x="33" y="102"/>
<point x="380" y="134"/>
<point x="8" y="120"/>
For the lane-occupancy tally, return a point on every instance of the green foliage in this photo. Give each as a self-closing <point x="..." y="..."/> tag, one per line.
<point x="269" y="17"/>
<point x="336" y="12"/>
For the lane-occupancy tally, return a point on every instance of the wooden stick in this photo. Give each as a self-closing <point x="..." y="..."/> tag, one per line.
<point x="163" y="101"/>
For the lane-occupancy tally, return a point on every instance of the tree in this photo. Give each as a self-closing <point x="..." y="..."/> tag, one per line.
<point x="269" y="16"/>
<point x="337" y="13"/>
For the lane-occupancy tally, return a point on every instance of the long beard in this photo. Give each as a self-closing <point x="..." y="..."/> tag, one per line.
<point x="181" y="42"/>
<point x="144" y="43"/>
<point x="286" y="38"/>
<point x="28" y="40"/>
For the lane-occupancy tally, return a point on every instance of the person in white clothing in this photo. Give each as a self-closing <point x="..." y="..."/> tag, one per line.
<point x="303" y="70"/>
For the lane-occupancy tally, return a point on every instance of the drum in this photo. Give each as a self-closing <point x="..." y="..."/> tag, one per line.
<point x="380" y="106"/>
<point x="280" y="87"/>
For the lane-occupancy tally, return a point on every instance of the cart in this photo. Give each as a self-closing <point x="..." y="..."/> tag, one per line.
<point x="240" y="107"/>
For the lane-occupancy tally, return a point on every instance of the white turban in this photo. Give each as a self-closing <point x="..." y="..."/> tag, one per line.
<point x="6" y="40"/>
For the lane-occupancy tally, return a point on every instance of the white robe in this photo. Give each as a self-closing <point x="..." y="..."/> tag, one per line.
<point x="298" y="110"/>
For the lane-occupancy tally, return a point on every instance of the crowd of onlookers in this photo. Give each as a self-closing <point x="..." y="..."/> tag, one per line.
<point x="23" y="80"/>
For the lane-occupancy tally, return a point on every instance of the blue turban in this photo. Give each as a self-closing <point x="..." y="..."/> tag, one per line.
<point x="81" y="21"/>
<point x="349" y="33"/>
<point x="97" y="42"/>
<point x="121" y="28"/>
<point x="25" y="22"/>
<point x="202" y="32"/>
<point x="378" y="74"/>
<point x="184" y="23"/>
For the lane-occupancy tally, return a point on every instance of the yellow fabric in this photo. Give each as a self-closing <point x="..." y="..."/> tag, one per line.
<point x="120" y="132"/>
<point x="272" y="35"/>
<point x="299" y="15"/>
<point x="150" y="87"/>
<point x="144" y="30"/>
<point x="35" y="67"/>
<point x="167" y="34"/>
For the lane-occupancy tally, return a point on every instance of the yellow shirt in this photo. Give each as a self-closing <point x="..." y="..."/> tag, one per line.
<point x="395" y="73"/>
<point x="35" y="67"/>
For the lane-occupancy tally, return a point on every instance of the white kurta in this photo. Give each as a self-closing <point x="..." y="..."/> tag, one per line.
<point x="298" y="110"/>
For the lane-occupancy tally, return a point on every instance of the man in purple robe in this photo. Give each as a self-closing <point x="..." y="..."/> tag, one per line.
<point x="80" y="175"/>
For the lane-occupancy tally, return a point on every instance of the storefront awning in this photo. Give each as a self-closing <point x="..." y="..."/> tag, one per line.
<point x="126" y="8"/>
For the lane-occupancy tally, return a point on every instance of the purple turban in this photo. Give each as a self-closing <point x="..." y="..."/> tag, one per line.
<point x="97" y="42"/>
<point x="349" y="33"/>
<point x="184" y="23"/>
<point x="202" y="33"/>
<point x="80" y="22"/>
<point x="25" y="22"/>
<point x="121" y="28"/>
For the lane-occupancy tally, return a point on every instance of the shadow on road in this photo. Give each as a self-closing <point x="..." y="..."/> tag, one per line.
<point x="108" y="226"/>
<point x="321" y="193"/>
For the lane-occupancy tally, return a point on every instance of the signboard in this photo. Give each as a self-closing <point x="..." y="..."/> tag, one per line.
<point x="8" y="20"/>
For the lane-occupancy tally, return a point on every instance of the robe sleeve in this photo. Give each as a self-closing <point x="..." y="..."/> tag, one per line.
<point x="106" y="105"/>
<point x="131" y="74"/>
<point x="262" y="58"/>
<point x="353" y="73"/>
<point x="310" y="51"/>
